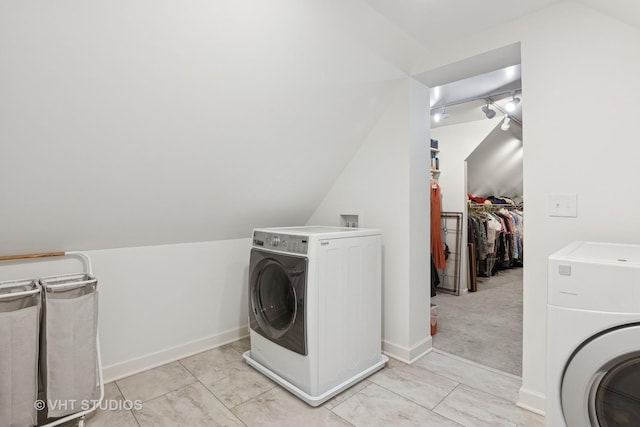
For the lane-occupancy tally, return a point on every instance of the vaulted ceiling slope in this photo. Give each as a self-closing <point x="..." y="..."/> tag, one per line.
<point x="627" y="11"/>
<point x="150" y="122"/>
<point x="434" y="23"/>
<point x="138" y="123"/>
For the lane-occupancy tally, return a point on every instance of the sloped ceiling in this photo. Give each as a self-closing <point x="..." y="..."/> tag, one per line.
<point x="440" y="25"/>
<point x="494" y="168"/>
<point x="138" y="123"/>
<point x="627" y="11"/>
<point x="434" y="23"/>
<point x="150" y="122"/>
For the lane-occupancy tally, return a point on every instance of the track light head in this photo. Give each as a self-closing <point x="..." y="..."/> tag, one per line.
<point x="511" y="105"/>
<point x="506" y="123"/>
<point x="438" y="117"/>
<point x="488" y="112"/>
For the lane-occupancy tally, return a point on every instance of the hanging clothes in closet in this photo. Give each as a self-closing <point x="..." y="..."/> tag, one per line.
<point x="437" y="246"/>
<point x="496" y="231"/>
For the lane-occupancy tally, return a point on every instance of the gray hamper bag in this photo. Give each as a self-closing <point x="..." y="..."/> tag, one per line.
<point x="20" y="302"/>
<point x="69" y="353"/>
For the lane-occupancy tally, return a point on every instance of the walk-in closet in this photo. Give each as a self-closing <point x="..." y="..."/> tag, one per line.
<point x="477" y="219"/>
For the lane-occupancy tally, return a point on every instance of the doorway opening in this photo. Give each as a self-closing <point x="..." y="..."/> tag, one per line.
<point x="479" y="173"/>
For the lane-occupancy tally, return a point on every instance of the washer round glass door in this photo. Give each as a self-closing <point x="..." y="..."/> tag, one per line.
<point x="277" y="298"/>
<point x="617" y="398"/>
<point x="274" y="299"/>
<point x="601" y="383"/>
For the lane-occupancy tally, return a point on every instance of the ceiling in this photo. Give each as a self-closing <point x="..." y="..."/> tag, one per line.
<point x="244" y="111"/>
<point x="435" y="23"/>
<point x="463" y="100"/>
<point x="431" y="22"/>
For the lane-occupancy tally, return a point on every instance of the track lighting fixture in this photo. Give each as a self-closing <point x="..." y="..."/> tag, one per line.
<point x="438" y="117"/>
<point x="506" y="123"/>
<point x="511" y="105"/>
<point x="488" y="112"/>
<point x="493" y="104"/>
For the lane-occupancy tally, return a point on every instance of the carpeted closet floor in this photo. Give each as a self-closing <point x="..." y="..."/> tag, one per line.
<point x="484" y="326"/>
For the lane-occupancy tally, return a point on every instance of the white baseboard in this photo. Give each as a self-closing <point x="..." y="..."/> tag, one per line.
<point x="406" y="354"/>
<point x="139" y="364"/>
<point x="531" y="401"/>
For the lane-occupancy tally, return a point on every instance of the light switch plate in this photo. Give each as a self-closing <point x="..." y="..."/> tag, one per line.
<point x="563" y="204"/>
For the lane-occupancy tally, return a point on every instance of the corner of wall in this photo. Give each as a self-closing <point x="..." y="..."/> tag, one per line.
<point x="531" y="401"/>
<point x="407" y="354"/>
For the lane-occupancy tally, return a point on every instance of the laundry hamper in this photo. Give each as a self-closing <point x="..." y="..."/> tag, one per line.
<point x="69" y="359"/>
<point x="20" y="302"/>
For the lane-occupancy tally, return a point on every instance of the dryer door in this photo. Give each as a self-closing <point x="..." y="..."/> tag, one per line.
<point x="601" y="383"/>
<point x="277" y="288"/>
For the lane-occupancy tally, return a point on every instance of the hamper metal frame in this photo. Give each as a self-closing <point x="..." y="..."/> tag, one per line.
<point x="81" y="415"/>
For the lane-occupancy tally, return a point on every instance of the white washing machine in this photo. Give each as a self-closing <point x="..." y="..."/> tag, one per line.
<point x="593" y="336"/>
<point x="315" y="308"/>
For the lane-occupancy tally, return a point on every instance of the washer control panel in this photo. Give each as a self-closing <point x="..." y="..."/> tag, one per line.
<point x="281" y="242"/>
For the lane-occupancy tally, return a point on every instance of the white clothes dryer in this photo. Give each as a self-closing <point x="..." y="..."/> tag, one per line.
<point x="593" y="336"/>
<point x="315" y="308"/>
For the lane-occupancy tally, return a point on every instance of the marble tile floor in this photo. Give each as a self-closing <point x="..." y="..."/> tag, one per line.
<point x="217" y="388"/>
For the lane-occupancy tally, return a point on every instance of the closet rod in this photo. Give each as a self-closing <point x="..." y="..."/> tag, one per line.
<point x="27" y="256"/>
<point x="494" y="207"/>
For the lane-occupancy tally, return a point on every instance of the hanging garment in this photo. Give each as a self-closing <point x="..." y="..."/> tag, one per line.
<point x="493" y="228"/>
<point x="435" y="278"/>
<point x="437" y="247"/>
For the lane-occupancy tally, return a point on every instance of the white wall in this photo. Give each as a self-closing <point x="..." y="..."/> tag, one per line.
<point x="456" y="143"/>
<point x="579" y="71"/>
<point x="588" y="58"/>
<point x="386" y="185"/>
<point x="154" y="122"/>
<point x="419" y="223"/>
<point x="159" y="303"/>
<point x="148" y="122"/>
